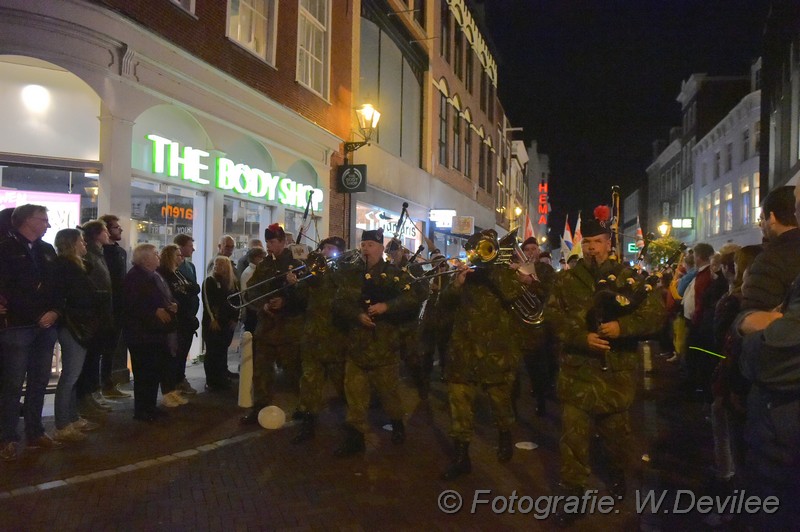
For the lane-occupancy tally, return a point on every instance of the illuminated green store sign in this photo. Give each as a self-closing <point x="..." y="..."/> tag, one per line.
<point x="169" y="159"/>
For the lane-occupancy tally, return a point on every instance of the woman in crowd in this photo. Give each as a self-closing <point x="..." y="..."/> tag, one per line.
<point x="77" y="328"/>
<point x="219" y="322"/>
<point x="149" y="322"/>
<point x="181" y="290"/>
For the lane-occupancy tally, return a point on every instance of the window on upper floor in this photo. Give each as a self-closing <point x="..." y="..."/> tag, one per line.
<point x="717" y="165"/>
<point x="703" y="174"/>
<point x="458" y="54"/>
<point x="490" y="171"/>
<point x="419" y="12"/>
<point x="715" y="214"/>
<point x="467" y="149"/>
<point x="482" y="148"/>
<point x="756" y="190"/>
<point x="187" y="5"/>
<point x="313" y="44"/>
<point x="729" y="157"/>
<point x="745" y="144"/>
<point x="484" y="89"/>
<point x="469" y="71"/>
<point x="391" y="80"/>
<point x="444" y="48"/>
<point x="490" y="102"/>
<point x="443" y="108"/>
<point x="456" y="140"/>
<point x="252" y="25"/>
<point x="757" y="132"/>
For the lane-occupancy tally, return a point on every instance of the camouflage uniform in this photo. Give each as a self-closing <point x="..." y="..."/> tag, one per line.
<point x="373" y="356"/>
<point x="277" y="335"/>
<point x="538" y="342"/>
<point x="323" y="346"/>
<point x="436" y="326"/>
<point x="410" y="353"/>
<point x="587" y="392"/>
<point x="484" y="349"/>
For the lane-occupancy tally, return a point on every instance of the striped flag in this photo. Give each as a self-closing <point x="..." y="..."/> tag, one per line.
<point x="566" y="239"/>
<point x="528" y="228"/>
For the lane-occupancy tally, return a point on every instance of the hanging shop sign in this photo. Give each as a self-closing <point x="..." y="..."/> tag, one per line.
<point x="463" y="225"/>
<point x="191" y="164"/>
<point x="351" y="178"/>
<point x="443" y="218"/>
<point x="683" y="223"/>
<point x="543" y="205"/>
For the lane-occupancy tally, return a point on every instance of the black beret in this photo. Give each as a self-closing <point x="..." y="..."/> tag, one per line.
<point x="336" y="241"/>
<point x="274" y="231"/>
<point x="375" y="235"/>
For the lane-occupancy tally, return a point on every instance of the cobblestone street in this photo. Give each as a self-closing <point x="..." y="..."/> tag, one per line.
<point x="199" y="470"/>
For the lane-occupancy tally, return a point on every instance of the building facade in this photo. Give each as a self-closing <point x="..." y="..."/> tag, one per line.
<point x="780" y="96"/>
<point x="727" y="177"/>
<point x="190" y="117"/>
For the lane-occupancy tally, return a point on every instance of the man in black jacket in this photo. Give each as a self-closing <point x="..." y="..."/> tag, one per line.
<point x="117" y="262"/>
<point x="770" y="360"/>
<point x="770" y="276"/>
<point x="30" y="305"/>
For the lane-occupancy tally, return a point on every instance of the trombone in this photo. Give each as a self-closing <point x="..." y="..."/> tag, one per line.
<point x="240" y="295"/>
<point x="315" y="264"/>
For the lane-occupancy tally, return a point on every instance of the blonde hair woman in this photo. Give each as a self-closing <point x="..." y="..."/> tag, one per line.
<point x="219" y="322"/>
<point x="76" y="330"/>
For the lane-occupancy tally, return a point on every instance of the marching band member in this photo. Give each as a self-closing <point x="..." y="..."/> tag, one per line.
<point x="410" y="353"/>
<point x="373" y="298"/>
<point x="484" y="354"/>
<point x="323" y="345"/>
<point x="596" y="378"/>
<point x="280" y="321"/>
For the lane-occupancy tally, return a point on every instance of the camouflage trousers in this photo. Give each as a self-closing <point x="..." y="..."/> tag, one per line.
<point x="462" y="406"/>
<point x="316" y="371"/>
<point x="599" y="406"/>
<point x="265" y="357"/>
<point x="357" y="382"/>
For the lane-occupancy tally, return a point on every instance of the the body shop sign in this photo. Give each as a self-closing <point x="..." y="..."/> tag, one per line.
<point x="191" y="164"/>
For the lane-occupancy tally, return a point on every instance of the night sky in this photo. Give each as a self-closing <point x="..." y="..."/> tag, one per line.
<point x="595" y="82"/>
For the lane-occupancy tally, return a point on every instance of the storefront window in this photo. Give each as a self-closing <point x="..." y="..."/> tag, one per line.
<point x="244" y="220"/>
<point x="70" y="196"/>
<point x="160" y="211"/>
<point x="450" y="245"/>
<point x="370" y="217"/>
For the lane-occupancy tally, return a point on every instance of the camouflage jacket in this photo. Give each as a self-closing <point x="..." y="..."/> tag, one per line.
<point x="284" y="325"/>
<point x="319" y="330"/>
<point x="573" y="299"/>
<point x="357" y="289"/>
<point x="484" y="347"/>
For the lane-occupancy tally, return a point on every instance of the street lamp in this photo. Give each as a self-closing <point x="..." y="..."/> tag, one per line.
<point x="664" y="228"/>
<point x="368" y="118"/>
<point x="517" y="210"/>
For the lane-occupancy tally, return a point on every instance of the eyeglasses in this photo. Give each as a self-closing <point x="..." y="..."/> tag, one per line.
<point x="45" y="220"/>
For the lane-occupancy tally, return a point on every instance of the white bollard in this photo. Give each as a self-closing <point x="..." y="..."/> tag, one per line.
<point x="246" y="371"/>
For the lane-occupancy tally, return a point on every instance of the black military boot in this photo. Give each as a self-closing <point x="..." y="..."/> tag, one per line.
<point x="306" y="431"/>
<point x="460" y="464"/>
<point x="398" y="431"/>
<point x="505" y="449"/>
<point x="353" y="443"/>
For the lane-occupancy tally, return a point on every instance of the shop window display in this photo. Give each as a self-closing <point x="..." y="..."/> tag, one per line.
<point x="160" y="211"/>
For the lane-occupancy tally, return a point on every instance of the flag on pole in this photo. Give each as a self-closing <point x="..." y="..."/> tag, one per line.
<point x="528" y="228"/>
<point x="639" y="235"/>
<point x="577" y="237"/>
<point x="566" y="239"/>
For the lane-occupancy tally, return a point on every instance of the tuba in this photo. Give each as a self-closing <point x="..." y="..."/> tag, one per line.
<point x="484" y="249"/>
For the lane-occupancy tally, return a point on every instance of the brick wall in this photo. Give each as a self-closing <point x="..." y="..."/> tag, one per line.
<point x="203" y="35"/>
